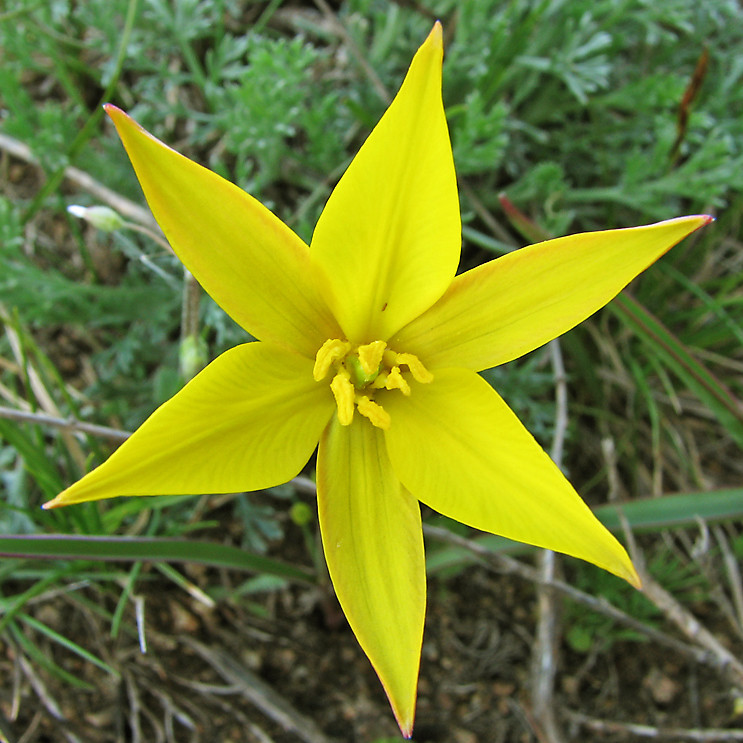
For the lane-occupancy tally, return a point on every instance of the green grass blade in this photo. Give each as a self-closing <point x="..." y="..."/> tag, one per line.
<point x="647" y="514"/>
<point x="182" y="582"/>
<point x="64" y="642"/>
<point x="710" y="302"/>
<point x="664" y="344"/>
<point x="19" y="601"/>
<point x="41" y="659"/>
<point x="683" y="509"/>
<point x="146" y="548"/>
<point x="35" y="458"/>
<point x="124" y="598"/>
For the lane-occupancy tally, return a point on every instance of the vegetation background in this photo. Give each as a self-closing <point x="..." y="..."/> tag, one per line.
<point x="565" y="116"/>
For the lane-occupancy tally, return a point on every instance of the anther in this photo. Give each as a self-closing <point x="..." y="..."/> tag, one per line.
<point x="344" y="394"/>
<point x="370" y="356"/>
<point x="365" y="369"/>
<point x="331" y="351"/>
<point x="380" y="381"/>
<point x="373" y="411"/>
<point x="419" y="372"/>
<point x="396" y="381"/>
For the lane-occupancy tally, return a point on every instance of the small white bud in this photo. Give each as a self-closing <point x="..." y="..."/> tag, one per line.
<point x="102" y="217"/>
<point x="77" y="211"/>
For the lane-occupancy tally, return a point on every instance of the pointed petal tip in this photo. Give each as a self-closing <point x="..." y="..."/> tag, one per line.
<point x="113" y="111"/>
<point x="404" y="712"/>
<point x="632" y="577"/>
<point x="123" y="122"/>
<point x="622" y="566"/>
<point x="120" y="118"/>
<point x="694" y="222"/>
<point x="405" y="723"/>
<point x="697" y="220"/>
<point x="437" y="35"/>
<point x="702" y="219"/>
<point x="59" y="500"/>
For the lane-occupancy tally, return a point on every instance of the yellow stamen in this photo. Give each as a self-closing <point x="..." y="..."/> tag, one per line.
<point x="380" y="381"/>
<point x="370" y="356"/>
<point x="373" y="411"/>
<point x="331" y="351"/>
<point x="419" y="372"/>
<point x="396" y="381"/>
<point x="344" y="392"/>
<point x="365" y="369"/>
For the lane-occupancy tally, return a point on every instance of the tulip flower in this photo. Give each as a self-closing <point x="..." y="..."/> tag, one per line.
<point x="370" y="346"/>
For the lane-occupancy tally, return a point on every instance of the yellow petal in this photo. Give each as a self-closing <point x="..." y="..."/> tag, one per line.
<point x="388" y="242"/>
<point x="250" y="263"/>
<point x="250" y="420"/>
<point x="460" y="449"/>
<point x="371" y="533"/>
<point x="516" y="303"/>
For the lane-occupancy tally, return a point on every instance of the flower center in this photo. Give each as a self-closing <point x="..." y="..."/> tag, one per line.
<point x="359" y="371"/>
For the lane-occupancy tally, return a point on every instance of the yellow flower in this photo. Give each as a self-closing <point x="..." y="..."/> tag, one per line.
<point x="370" y="346"/>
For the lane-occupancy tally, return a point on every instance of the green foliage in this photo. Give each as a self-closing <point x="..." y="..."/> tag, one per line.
<point x="265" y="124"/>
<point x="569" y="106"/>
<point x="528" y="386"/>
<point x="572" y="108"/>
<point x="587" y="629"/>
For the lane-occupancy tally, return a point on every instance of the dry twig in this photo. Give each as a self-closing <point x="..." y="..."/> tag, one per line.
<point x="259" y="693"/>
<point x="544" y="662"/>
<point x="30" y="732"/>
<point x="68" y="424"/>
<point x="733" y="574"/>
<point x="648" y="731"/>
<point x="38" y="387"/>
<point x="50" y="704"/>
<point x="122" y="205"/>
<point x="683" y="619"/>
<point x="505" y="565"/>
<point x="134" y="708"/>
<point x="692" y="628"/>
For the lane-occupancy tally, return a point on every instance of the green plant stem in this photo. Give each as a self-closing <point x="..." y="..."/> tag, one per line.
<point x="266" y="16"/>
<point x="143" y="548"/>
<point x="20" y="11"/>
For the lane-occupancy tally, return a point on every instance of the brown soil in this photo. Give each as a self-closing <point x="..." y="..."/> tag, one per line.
<point x="281" y="667"/>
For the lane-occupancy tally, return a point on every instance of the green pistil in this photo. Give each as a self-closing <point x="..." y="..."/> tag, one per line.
<point x="359" y="377"/>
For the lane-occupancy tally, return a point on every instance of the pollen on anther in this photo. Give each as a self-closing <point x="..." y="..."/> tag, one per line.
<point x="331" y="351"/>
<point x="370" y="355"/>
<point x="374" y="412"/>
<point x="344" y="394"/>
<point x="419" y="372"/>
<point x="396" y="381"/>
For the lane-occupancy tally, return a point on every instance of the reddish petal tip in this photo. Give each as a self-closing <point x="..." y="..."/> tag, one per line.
<point x="437" y="34"/>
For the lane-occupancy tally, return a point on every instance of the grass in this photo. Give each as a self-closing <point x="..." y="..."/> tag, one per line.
<point x="587" y="114"/>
